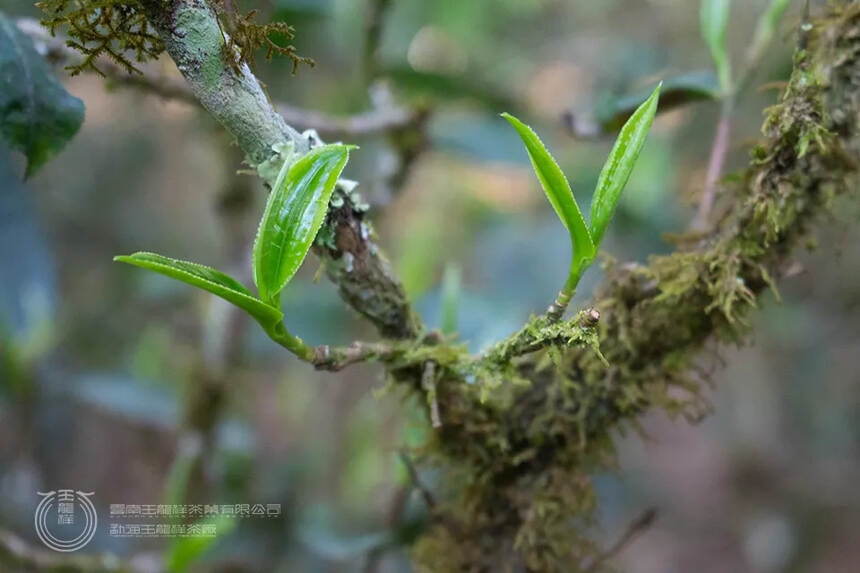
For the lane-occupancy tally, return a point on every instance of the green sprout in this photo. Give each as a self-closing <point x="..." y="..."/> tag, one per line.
<point x="294" y="214"/>
<point x="586" y="239"/>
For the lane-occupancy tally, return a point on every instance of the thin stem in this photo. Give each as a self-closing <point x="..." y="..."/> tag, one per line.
<point x="719" y="151"/>
<point x="294" y="344"/>
<point x="577" y="268"/>
<point x="636" y="528"/>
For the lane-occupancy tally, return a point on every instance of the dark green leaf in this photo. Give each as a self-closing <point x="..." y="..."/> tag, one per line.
<point x="557" y="189"/>
<point x="614" y="111"/>
<point x="37" y="115"/>
<point x="715" y="22"/>
<point x="294" y="214"/>
<point x="618" y="167"/>
<point x="208" y="279"/>
<point x="444" y="87"/>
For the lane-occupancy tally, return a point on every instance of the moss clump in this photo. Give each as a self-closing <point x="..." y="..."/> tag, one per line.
<point x="115" y="29"/>
<point x="246" y="36"/>
<point x="119" y="30"/>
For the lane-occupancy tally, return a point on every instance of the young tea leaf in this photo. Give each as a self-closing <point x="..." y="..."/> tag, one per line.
<point x="557" y="189"/>
<point x="37" y="115"/>
<point x="294" y="214"/>
<point x="208" y="279"/>
<point x="618" y="167"/>
<point x="715" y="21"/>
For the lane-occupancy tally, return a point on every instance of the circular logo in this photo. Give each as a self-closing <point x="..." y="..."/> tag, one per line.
<point x="66" y="519"/>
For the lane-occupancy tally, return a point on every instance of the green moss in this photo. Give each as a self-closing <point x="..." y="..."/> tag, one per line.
<point x="522" y="434"/>
<point x="120" y="31"/>
<point x="116" y="29"/>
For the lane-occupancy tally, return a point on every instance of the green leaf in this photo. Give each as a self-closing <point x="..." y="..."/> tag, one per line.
<point x="210" y="280"/>
<point x="294" y="214"/>
<point x="184" y="551"/>
<point x="715" y="21"/>
<point x="766" y="28"/>
<point x="37" y="115"/>
<point x="619" y="165"/>
<point x="613" y="111"/>
<point x="557" y="189"/>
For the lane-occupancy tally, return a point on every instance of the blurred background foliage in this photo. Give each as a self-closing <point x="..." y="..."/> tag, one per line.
<point x="101" y="366"/>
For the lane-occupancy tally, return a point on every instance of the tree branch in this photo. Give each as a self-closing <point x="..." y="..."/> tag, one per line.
<point x="526" y="450"/>
<point x="383" y="120"/>
<point x="234" y="96"/>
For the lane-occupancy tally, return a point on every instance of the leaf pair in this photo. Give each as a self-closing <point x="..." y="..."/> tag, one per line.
<point x="613" y="178"/>
<point x="294" y="214"/>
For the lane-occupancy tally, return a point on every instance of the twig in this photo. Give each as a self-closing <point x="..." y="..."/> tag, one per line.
<point x="636" y="528"/>
<point x="334" y="359"/>
<point x="719" y="151"/>
<point x="372" y="37"/>
<point x="361" y="124"/>
<point x="428" y="383"/>
<point x="426" y="494"/>
<point x="55" y="50"/>
<point x="18" y="555"/>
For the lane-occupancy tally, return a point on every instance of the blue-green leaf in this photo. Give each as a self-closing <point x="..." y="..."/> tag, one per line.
<point x="557" y="189"/>
<point x="208" y="279"/>
<point x="618" y="167"/>
<point x="37" y="115"/>
<point x="715" y="21"/>
<point x="294" y="214"/>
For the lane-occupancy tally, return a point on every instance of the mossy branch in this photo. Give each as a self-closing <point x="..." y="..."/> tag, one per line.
<point x="524" y="425"/>
<point x="528" y="450"/>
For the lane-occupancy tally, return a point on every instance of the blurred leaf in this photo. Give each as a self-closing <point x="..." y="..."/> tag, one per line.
<point x="715" y="21"/>
<point x="294" y="214"/>
<point x="557" y="189"/>
<point x="618" y="167"/>
<point x="451" y="298"/>
<point x="208" y="279"/>
<point x="766" y="28"/>
<point x="123" y="396"/>
<point x="185" y="550"/>
<point x="179" y="476"/>
<point x="27" y="266"/>
<point x="444" y="87"/>
<point x="37" y="115"/>
<point x="613" y="112"/>
<point x="318" y="531"/>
